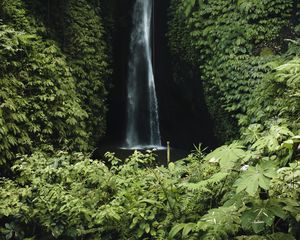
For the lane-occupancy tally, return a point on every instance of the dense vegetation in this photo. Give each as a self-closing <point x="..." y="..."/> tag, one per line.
<point x="54" y="72"/>
<point x="238" y="48"/>
<point x="52" y="93"/>
<point x="229" y="192"/>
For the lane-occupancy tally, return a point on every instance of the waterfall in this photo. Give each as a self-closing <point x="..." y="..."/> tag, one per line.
<point x="142" y="110"/>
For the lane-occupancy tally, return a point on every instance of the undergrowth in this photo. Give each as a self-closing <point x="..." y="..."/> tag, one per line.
<point x="246" y="190"/>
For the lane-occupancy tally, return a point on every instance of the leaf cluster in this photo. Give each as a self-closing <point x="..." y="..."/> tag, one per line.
<point x="232" y="44"/>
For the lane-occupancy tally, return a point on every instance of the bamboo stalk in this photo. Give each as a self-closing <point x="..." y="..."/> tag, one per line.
<point x="168" y="152"/>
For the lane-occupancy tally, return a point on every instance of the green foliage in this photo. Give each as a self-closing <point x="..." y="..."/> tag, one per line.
<point x="232" y="43"/>
<point x="255" y="177"/>
<point x="278" y="94"/>
<point x="217" y="224"/>
<point x="71" y="196"/>
<point x="227" y="155"/>
<point x="87" y="54"/>
<point x="39" y="105"/>
<point x="254" y="204"/>
<point x="65" y="194"/>
<point x="51" y="98"/>
<point x="262" y="215"/>
<point x="250" y="83"/>
<point x="274" y="236"/>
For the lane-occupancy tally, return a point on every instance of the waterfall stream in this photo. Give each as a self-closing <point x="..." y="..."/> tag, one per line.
<point x="142" y="129"/>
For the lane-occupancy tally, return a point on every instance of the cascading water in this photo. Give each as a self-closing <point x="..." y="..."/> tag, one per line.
<point x="142" y="111"/>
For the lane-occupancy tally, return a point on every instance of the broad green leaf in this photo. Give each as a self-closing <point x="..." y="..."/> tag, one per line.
<point x="227" y="155"/>
<point x="187" y="229"/>
<point x="176" y="229"/>
<point x="254" y="177"/>
<point x="261" y="215"/>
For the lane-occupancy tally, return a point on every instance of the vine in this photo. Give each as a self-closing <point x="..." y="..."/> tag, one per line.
<point x="231" y="43"/>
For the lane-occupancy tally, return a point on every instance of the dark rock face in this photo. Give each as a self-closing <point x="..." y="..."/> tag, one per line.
<point x="122" y="15"/>
<point x="184" y="119"/>
<point x="183" y="114"/>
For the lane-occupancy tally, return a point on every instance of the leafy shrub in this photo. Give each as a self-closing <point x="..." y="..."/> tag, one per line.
<point x="248" y="189"/>
<point x="51" y="98"/>
<point x="87" y="55"/>
<point x="231" y="192"/>
<point x="78" y="28"/>
<point x="39" y="104"/>
<point x="232" y="43"/>
<point x="278" y="93"/>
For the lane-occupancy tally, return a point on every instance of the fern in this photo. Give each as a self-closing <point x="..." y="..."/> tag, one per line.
<point x="204" y="186"/>
<point x="220" y="223"/>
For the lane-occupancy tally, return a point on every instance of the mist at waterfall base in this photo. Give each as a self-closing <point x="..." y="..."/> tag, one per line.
<point x="183" y="116"/>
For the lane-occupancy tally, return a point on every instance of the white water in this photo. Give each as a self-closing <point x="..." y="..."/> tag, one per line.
<point x="142" y="110"/>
